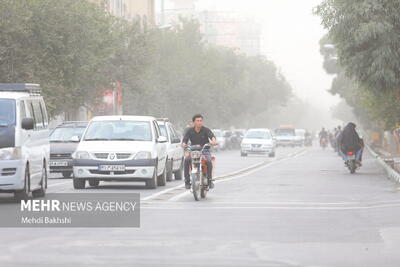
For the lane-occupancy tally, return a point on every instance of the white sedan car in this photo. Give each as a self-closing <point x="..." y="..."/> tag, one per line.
<point x="258" y="141"/>
<point x="121" y="148"/>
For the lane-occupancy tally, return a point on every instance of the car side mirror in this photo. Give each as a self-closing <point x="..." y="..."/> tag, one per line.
<point x="27" y="124"/>
<point x="162" y="139"/>
<point x="75" y="138"/>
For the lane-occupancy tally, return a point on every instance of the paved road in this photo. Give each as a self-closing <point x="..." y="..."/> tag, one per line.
<point x="301" y="210"/>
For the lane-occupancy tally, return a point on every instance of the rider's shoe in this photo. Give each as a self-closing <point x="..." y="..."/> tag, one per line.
<point x="187" y="185"/>
<point x="211" y="184"/>
<point x="359" y="164"/>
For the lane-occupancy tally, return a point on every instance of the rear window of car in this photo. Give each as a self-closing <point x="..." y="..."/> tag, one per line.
<point x="285" y="132"/>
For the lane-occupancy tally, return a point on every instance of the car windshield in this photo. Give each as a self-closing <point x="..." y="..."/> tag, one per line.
<point x="163" y="130"/>
<point x="7" y="112"/>
<point x="118" y="131"/>
<point x="258" y="135"/>
<point x="65" y="134"/>
<point x="283" y="132"/>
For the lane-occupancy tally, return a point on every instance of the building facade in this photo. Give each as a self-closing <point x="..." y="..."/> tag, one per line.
<point x="130" y="9"/>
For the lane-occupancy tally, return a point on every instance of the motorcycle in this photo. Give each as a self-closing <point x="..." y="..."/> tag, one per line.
<point x="351" y="162"/>
<point x="324" y="142"/>
<point x="198" y="171"/>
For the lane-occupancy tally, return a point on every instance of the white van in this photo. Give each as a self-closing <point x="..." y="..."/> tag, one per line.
<point x="24" y="141"/>
<point x="121" y="148"/>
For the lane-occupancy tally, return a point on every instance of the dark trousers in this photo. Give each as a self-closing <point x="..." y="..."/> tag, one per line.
<point x="188" y="161"/>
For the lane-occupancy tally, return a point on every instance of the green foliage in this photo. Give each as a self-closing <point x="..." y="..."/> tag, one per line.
<point x="366" y="37"/>
<point x="366" y="34"/>
<point x="64" y="45"/>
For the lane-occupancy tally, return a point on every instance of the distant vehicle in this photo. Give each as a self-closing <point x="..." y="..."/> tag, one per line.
<point x="236" y="139"/>
<point x="258" y="141"/>
<point x="24" y="141"/>
<point x="285" y="136"/>
<point x="174" y="149"/>
<point x="221" y="139"/>
<point x="228" y="139"/>
<point x="300" y="137"/>
<point x="64" y="140"/>
<point x="121" y="148"/>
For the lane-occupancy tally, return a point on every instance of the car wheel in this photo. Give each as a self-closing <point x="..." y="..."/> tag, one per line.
<point x="24" y="193"/>
<point x="94" y="183"/>
<point x="243" y="154"/>
<point x="66" y="174"/>
<point x="162" y="179"/>
<point x="178" y="173"/>
<point x="79" y="183"/>
<point x="152" y="183"/>
<point x="169" y="170"/>
<point x="272" y="154"/>
<point x="42" y="191"/>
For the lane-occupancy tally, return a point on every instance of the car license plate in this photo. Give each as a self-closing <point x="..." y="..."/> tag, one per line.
<point x="117" y="168"/>
<point x="58" y="163"/>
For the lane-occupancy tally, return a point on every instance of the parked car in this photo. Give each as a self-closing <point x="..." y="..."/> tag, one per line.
<point x="300" y="137"/>
<point x="64" y="140"/>
<point x="221" y="140"/>
<point x="121" y="148"/>
<point x="24" y="141"/>
<point x="174" y="149"/>
<point x="258" y="141"/>
<point x="285" y="136"/>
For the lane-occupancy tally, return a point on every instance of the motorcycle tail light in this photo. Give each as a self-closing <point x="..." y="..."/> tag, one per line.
<point x="350" y="153"/>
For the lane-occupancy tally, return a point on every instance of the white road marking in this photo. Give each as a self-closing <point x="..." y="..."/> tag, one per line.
<point x="57" y="184"/>
<point x="246" y="173"/>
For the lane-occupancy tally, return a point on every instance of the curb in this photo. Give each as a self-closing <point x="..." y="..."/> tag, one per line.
<point x="390" y="172"/>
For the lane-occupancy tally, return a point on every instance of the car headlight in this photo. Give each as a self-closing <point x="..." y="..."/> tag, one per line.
<point x="10" y="153"/>
<point x="245" y="145"/>
<point x="81" y="155"/>
<point x="143" y="155"/>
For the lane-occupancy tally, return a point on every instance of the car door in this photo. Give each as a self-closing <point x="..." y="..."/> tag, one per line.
<point x="176" y="147"/>
<point x="161" y="149"/>
<point x="35" y="164"/>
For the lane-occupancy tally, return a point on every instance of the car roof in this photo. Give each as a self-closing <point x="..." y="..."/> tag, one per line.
<point x="71" y="124"/>
<point x="123" y="118"/>
<point x="259" y="129"/>
<point x="16" y="95"/>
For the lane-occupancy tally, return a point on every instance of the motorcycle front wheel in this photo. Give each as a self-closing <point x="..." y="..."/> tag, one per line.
<point x="195" y="186"/>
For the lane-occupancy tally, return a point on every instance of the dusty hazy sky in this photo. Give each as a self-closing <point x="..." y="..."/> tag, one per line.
<point x="290" y="38"/>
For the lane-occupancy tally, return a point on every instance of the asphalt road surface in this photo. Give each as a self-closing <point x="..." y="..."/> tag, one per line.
<point x="302" y="208"/>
